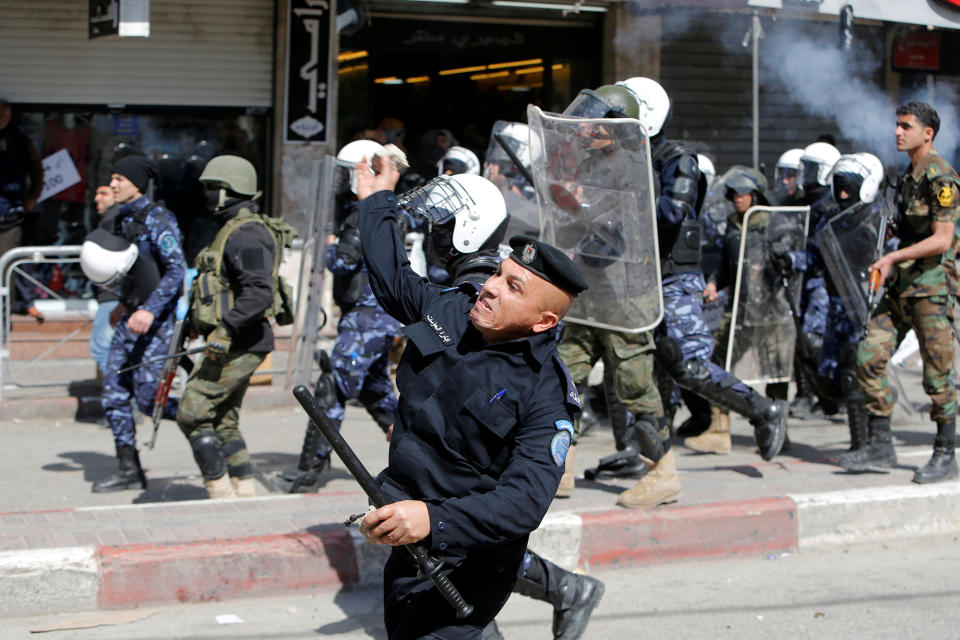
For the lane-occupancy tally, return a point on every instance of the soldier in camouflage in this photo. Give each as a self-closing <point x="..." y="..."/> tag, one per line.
<point x="243" y="256"/>
<point x="145" y="317"/>
<point x="916" y="297"/>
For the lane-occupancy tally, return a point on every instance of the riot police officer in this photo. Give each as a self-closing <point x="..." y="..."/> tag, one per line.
<point x="815" y="162"/>
<point x="358" y="366"/>
<point x="684" y="344"/>
<point x="143" y="255"/>
<point x="242" y="264"/>
<point x="472" y="465"/>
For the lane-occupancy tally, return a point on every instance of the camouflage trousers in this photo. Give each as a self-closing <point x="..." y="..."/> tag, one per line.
<point x="211" y="402"/>
<point x="630" y="355"/>
<point x="931" y="318"/>
<point x="683" y="321"/>
<point x="361" y="361"/>
<point x="127" y="348"/>
<point x="814" y="306"/>
<point x="839" y="331"/>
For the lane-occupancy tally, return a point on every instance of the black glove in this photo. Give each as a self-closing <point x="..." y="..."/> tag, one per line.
<point x="782" y="262"/>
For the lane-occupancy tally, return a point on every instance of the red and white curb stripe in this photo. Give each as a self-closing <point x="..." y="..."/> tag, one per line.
<point x="332" y="557"/>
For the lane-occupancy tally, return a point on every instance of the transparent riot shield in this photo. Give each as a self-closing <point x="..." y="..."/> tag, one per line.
<point x="507" y="165"/>
<point x="310" y="314"/>
<point x="850" y="242"/>
<point x="594" y="185"/>
<point x="762" y="330"/>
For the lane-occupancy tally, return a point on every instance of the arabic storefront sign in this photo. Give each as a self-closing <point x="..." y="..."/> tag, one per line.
<point x="308" y="71"/>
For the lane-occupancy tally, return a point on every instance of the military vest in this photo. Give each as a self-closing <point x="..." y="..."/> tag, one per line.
<point x="211" y="295"/>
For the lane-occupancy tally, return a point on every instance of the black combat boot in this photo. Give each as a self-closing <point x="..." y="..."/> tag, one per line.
<point x="129" y="473"/>
<point x="311" y="465"/>
<point x="878" y="451"/>
<point x="573" y="596"/>
<point x="857" y="421"/>
<point x="700" y="416"/>
<point x="943" y="464"/>
<point x="802" y="402"/>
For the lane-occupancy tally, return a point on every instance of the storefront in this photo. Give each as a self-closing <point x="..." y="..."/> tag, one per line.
<point x="200" y="85"/>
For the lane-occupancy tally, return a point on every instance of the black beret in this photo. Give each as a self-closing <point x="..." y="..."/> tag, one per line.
<point x="548" y="262"/>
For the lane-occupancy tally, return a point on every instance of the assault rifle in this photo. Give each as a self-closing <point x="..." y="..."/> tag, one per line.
<point x="429" y="566"/>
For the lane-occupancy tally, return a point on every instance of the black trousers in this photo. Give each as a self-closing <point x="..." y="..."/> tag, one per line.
<point x="413" y="608"/>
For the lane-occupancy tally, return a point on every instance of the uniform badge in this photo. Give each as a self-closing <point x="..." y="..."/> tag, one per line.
<point x="559" y="447"/>
<point x="945" y="196"/>
<point x="564" y="425"/>
<point x="167" y="242"/>
<point x="529" y="253"/>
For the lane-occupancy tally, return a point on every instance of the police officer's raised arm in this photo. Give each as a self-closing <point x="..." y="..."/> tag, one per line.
<point x="398" y="289"/>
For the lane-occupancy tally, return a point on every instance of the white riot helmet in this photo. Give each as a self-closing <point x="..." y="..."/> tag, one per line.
<point x="654" y="102"/>
<point x="788" y="165"/>
<point x="816" y="161"/>
<point x="106" y="258"/>
<point x="459" y="160"/>
<point x="857" y="174"/>
<point x="706" y="167"/>
<point x="475" y="202"/>
<point x="349" y="156"/>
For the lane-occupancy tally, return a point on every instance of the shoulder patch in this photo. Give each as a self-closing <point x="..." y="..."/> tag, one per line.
<point x="572" y="398"/>
<point x="564" y="425"/>
<point x="559" y="447"/>
<point x="945" y="195"/>
<point x="167" y="242"/>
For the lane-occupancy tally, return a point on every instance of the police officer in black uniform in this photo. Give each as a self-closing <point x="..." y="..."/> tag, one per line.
<point x="483" y="424"/>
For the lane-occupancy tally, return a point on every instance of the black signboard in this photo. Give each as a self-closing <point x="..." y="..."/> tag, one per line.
<point x="104" y="18"/>
<point x="306" y="116"/>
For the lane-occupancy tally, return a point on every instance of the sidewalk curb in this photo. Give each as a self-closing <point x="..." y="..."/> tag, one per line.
<point x="330" y="556"/>
<point x="65" y="408"/>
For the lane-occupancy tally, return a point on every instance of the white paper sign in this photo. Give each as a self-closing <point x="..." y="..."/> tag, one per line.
<point x="59" y="173"/>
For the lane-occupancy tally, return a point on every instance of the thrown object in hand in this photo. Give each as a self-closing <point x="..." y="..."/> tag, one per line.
<point x="394" y="154"/>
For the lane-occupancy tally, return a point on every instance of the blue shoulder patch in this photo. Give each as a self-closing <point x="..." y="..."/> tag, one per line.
<point x="564" y="425"/>
<point x="559" y="447"/>
<point x="167" y="242"/>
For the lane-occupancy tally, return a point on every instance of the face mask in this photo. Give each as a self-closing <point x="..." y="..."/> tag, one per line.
<point x="214" y="199"/>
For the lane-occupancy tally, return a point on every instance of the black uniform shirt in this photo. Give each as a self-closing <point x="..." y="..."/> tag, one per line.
<point x="481" y="429"/>
<point x="248" y="263"/>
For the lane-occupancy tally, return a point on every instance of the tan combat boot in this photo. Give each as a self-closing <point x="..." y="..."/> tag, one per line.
<point x="566" y="480"/>
<point x="660" y="485"/>
<point x="220" y="488"/>
<point x="244" y="487"/>
<point x="716" y="439"/>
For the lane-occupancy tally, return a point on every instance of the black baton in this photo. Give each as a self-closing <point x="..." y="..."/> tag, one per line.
<point x="429" y="567"/>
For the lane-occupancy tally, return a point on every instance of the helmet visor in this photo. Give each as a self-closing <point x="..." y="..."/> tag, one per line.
<point x="810" y="172"/>
<point x="589" y="104"/>
<point x="438" y="201"/>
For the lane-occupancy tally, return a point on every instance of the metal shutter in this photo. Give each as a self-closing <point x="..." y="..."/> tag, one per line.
<point x="199" y="53"/>
<point x="708" y="76"/>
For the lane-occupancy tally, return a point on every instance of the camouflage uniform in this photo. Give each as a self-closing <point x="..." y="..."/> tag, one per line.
<point x="630" y="357"/>
<point x="916" y="296"/>
<point x="160" y="240"/>
<point x="361" y="353"/>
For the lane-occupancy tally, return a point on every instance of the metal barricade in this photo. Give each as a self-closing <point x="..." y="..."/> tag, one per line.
<point x="10" y="263"/>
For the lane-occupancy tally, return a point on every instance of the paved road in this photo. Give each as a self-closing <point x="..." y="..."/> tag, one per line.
<point x="877" y="593"/>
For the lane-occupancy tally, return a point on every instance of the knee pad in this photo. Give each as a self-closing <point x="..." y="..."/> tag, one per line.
<point x="646" y="436"/>
<point x="325" y="390"/>
<point x="693" y="375"/>
<point x="209" y="454"/>
<point x="848" y="380"/>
